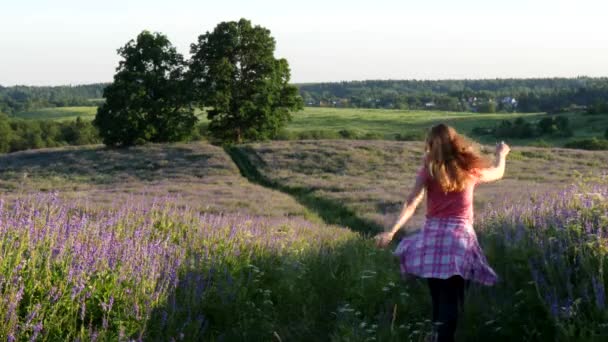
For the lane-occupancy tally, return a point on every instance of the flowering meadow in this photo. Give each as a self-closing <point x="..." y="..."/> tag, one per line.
<point x="157" y="271"/>
<point x="552" y="255"/>
<point x="147" y="266"/>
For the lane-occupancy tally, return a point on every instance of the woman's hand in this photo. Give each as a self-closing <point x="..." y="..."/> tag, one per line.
<point x="383" y="239"/>
<point x="497" y="171"/>
<point x="502" y="149"/>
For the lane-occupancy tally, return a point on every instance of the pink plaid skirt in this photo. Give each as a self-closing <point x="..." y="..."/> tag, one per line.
<point x="443" y="248"/>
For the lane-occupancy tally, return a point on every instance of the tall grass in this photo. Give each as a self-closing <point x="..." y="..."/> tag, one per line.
<point x="554" y="250"/>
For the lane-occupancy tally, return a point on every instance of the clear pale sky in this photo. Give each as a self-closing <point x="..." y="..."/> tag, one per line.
<point x="58" y="42"/>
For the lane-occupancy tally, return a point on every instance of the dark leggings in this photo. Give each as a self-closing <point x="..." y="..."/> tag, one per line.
<point x="448" y="300"/>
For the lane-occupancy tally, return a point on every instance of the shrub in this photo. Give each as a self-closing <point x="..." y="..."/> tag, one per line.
<point x="482" y="131"/>
<point x="284" y="134"/>
<point x="411" y="136"/>
<point x="558" y="126"/>
<point x="593" y="144"/>
<point x="372" y="136"/>
<point x="350" y="134"/>
<point x="519" y="128"/>
<point x="318" y="134"/>
<point x="540" y="143"/>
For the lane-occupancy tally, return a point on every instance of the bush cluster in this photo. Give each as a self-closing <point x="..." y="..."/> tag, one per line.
<point x="18" y="134"/>
<point x="593" y="144"/>
<point x="555" y="126"/>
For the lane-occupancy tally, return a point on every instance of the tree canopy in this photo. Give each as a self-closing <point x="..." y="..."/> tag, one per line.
<point x="234" y="72"/>
<point x="148" y="100"/>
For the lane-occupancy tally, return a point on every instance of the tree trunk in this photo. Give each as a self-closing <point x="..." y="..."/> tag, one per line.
<point x="239" y="139"/>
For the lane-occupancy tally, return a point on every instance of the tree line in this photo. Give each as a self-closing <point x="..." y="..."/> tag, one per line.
<point x="23" y="98"/>
<point x="491" y="95"/>
<point x="531" y="95"/>
<point x="19" y="134"/>
<point x="550" y="126"/>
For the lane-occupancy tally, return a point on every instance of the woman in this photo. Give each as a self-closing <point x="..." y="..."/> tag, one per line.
<point x="446" y="251"/>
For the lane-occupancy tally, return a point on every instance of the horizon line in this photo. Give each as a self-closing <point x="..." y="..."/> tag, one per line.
<point x="351" y="80"/>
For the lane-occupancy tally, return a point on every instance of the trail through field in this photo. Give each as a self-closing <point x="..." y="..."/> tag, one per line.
<point x="363" y="184"/>
<point x="330" y="210"/>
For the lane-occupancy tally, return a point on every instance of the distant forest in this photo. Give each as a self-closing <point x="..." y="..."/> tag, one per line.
<point x="492" y="95"/>
<point x="23" y="98"/>
<point x="486" y="96"/>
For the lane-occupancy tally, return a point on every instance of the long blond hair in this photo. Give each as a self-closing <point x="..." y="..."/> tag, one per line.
<point x="451" y="158"/>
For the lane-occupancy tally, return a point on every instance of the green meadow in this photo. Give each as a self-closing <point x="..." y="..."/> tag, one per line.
<point x="69" y="113"/>
<point x="58" y="113"/>
<point x="383" y="124"/>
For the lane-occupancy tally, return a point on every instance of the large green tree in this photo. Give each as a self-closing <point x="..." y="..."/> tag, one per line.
<point x="148" y="100"/>
<point x="234" y="73"/>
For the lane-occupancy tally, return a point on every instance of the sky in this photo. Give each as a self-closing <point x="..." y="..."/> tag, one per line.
<point x="59" y="42"/>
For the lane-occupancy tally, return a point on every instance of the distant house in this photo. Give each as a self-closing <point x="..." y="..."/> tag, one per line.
<point x="334" y="103"/>
<point x="429" y="104"/>
<point x="574" y="108"/>
<point x="508" y="100"/>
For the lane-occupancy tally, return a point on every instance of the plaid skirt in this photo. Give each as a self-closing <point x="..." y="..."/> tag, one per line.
<point x="443" y="248"/>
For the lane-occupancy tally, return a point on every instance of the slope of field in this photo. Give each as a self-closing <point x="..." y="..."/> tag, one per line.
<point x="199" y="175"/>
<point x="372" y="178"/>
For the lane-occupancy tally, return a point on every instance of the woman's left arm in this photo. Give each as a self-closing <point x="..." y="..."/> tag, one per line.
<point x="409" y="207"/>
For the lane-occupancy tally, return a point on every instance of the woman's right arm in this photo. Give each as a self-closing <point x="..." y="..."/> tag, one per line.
<point x="413" y="200"/>
<point x="497" y="171"/>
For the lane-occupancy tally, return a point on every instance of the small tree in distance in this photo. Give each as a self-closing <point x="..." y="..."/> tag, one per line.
<point x="233" y="71"/>
<point x="148" y="100"/>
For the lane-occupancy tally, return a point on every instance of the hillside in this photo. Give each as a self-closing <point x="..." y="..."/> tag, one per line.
<point x="198" y="175"/>
<point x="356" y="183"/>
<point x="371" y="179"/>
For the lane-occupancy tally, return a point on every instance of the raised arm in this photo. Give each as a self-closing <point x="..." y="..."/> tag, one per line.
<point x="409" y="207"/>
<point x="497" y="171"/>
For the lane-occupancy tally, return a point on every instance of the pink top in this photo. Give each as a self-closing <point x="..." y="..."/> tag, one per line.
<point x="440" y="204"/>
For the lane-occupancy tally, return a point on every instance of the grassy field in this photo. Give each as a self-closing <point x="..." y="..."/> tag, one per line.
<point x="70" y="113"/>
<point x="412" y="125"/>
<point x="382" y="124"/>
<point x="270" y="242"/>
<point x="59" y="113"/>
<point x="388" y="123"/>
